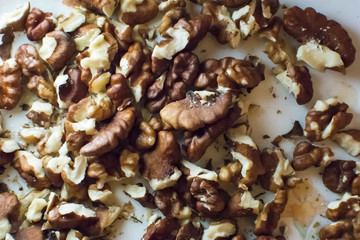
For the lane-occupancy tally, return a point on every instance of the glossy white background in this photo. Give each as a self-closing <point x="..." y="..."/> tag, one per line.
<point x="273" y="117"/>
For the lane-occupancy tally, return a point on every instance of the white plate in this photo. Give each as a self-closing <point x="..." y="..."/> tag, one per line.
<point x="274" y="116"/>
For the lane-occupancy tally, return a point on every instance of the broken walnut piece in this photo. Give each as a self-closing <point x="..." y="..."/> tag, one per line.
<point x="109" y="136"/>
<point x="106" y="7"/>
<point x="137" y="12"/>
<point x="267" y="220"/>
<point x="32" y="232"/>
<point x="355" y="186"/>
<point x="171" y="17"/>
<point x="10" y="84"/>
<point x="306" y="155"/>
<point x="6" y="39"/>
<point x="143" y="137"/>
<point x="140" y="194"/>
<point x="15" y="19"/>
<point x="119" y="91"/>
<point x="9" y="207"/>
<point x="224" y="229"/>
<point x="345" y="208"/>
<point x="233" y="3"/>
<point x="196" y="143"/>
<point x="230" y="73"/>
<point x="325" y="119"/>
<point x="308" y="25"/>
<point x="196" y="110"/>
<point x="169" y="202"/>
<point x="345" y="229"/>
<point x="191" y="230"/>
<point x="78" y="134"/>
<point x="278" y="170"/>
<point x="57" y="48"/>
<point x="242" y="204"/>
<point x="166" y="228"/>
<point x="38" y="24"/>
<point x="338" y="175"/>
<point x="349" y="140"/>
<point x="160" y="164"/>
<point x="174" y="85"/>
<point x="222" y="25"/>
<point x="210" y="200"/>
<point x="40" y="113"/>
<point x="29" y="60"/>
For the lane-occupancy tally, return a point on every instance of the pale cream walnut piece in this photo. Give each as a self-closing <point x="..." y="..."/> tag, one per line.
<point x="15" y="19"/>
<point x="318" y="56"/>
<point x="192" y="171"/>
<point x="54" y="166"/>
<point x="40" y="113"/>
<point x="99" y="82"/>
<point x="60" y="80"/>
<point x="106" y="7"/>
<point x="101" y="52"/>
<point x="129" y="162"/>
<point x="34" y="213"/>
<point x="349" y="140"/>
<point x="102" y="195"/>
<point x="5" y="227"/>
<point x="85" y="35"/>
<point x="74" y="235"/>
<point x="28" y="198"/>
<point x="223" y="26"/>
<point x="218" y="230"/>
<point x="326" y="118"/>
<point x="278" y="170"/>
<point x="74" y="21"/>
<point x="32" y="135"/>
<point x="8" y="145"/>
<point x="247" y="153"/>
<point x="140" y="194"/>
<point x="166" y="49"/>
<point x="52" y="141"/>
<point x="31" y="169"/>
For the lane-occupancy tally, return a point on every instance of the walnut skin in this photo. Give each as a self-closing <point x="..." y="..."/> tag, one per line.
<point x="166" y="228"/>
<point x="170" y="204"/>
<point x="210" y="200"/>
<point x="64" y="50"/>
<point x="192" y="113"/>
<point x="38" y="24"/>
<point x="109" y="136"/>
<point x="10" y="84"/>
<point x="325" y="119"/>
<point x="229" y="72"/>
<point x="74" y="89"/>
<point x="180" y="77"/>
<point x="242" y="205"/>
<point x="355" y="186"/>
<point x="306" y="155"/>
<point x="308" y="24"/>
<point x="33" y="233"/>
<point x="144" y="12"/>
<point x="190" y="231"/>
<point x="144" y="136"/>
<point x="6" y="40"/>
<point x="347" y="230"/>
<point x="160" y="164"/>
<point x="345" y="208"/>
<point x="29" y="60"/>
<point x="9" y="207"/>
<point x="170" y="18"/>
<point x="338" y="175"/>
<point x="42" y="87"/>
<point x="233" y="3"/>
<point x="106" y="7"/>
<point x="196" y="143"/>
<point x="119" y="92"/>
<point x="267" y="220"/>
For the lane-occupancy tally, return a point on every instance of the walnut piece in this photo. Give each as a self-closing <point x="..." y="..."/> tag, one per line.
<point x="109" y="136"/>
<point x="196" y="110"/>
<point x="170" y="204"/>
<point x="349" y="140"/>
<point x="106" y="7"/>
<point x="9" y="207"/>
<point x="338" y="175"/>
<point x="223" y="229"/>
<point x="242" y="204"/>
<point x="160" y="164"/>
<point x="345" y="208"/>
<point x="306" y="155"/>
<point x="166" y="228"/>
<point x="15" y="19"/>
<point x="10" y="84"/>
<point x="38" y="24"/>
<point x="325" y="119"/>
<point x="137" y="12"/>
<point x="310" y="26"/>
<point x="119" y="92"/>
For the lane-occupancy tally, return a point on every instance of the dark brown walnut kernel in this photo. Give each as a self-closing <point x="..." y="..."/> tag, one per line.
<point x="348" y="229"/>
<point x="145" y="11"/>
<point x="10" y="84"/>
<point x="306" y="25"/>
<point x="160" y="164"/>
<point x="29" y="60"/>
<point x="190" y="231"/>
<point x="9" y="206"/>
<point x="325" y="119"/>
<point x="242" y="204"/>
<point x="6" y="158"/>
<point x="296" y="131"/>
<point x="230" y="73"/>
<point x="111" y="134"/>
<point x="196" y="143"/>
<point x="170" y="204"/>
<point x="306" y="155"/>
<point x="233" y="3"/>
<point x="166" y="228"/>
<point x="38" y="24"/>
<point x="210" y="200"/>
<point x="30" y="233"/>
<point x="355" y="186"/>
<point x="64" y="50"/>
<point x="194" y="112"/>
<point x="267" y="220"/>
<point x="74" y="89"/>
<point x="119" y="91"/>
<point x="122" y="34"/>
<point x="338" y="175"/>
<point x="7" y="40"/>
<point x="174" y="86"/>
<point x="345" y="208"/>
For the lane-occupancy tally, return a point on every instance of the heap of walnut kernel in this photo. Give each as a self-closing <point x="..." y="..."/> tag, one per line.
<point x="97" y="72"/>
